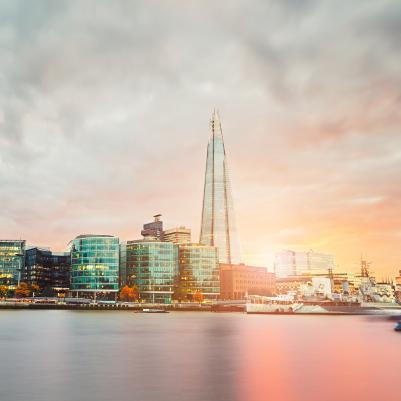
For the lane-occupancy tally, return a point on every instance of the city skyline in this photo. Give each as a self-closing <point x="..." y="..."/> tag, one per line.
<point x="95" y="137"/>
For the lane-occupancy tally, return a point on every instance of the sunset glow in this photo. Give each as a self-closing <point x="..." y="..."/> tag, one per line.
<point x="94" y="137"/>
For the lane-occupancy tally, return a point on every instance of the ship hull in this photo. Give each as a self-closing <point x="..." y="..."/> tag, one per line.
<point x="321" y="309"/>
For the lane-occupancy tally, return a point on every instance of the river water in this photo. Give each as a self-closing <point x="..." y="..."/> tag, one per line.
<point x="182" y="356"/>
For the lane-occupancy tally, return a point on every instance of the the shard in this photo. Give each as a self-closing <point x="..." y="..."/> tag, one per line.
<point x="218" y="222"/>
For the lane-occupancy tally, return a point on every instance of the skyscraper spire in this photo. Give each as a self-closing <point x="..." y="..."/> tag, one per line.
<point x="218" y="222"/>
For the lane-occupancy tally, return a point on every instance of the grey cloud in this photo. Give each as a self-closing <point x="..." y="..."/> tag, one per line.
<point x="105" y="106"/>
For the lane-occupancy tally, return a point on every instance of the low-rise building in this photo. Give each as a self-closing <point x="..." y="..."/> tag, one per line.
<point x="95" y="266"/>
<point x="292" y="263"/>
<point x="153" y="267"/>
<point x="199" y="272"/>
<point x="124" y="279"/>
<point x="12" y="255"/>
<point x="49" y="270"/>
<point x="239" y="280"/>
<point x="177" y="235"/>
<point x="154" y="229"/>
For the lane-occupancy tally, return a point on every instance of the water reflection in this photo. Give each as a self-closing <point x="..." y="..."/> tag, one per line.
<point x="319" y="358"/>
<point x="103" y="356"/>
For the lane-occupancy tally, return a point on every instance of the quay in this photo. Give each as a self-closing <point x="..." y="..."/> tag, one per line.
<point x="121" y="306"/>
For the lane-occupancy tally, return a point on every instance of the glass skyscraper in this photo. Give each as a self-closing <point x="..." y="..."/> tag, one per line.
<point x="218" y="222"/>
<point x="95" y="264"/>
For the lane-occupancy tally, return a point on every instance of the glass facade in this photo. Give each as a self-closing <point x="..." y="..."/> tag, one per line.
<point x="95" y="263"/>
<point x="218" y="223"/>
<point x="123" y="263"/>
<point x="178" y="235"/>
<point x="153" y="267"/>
<point x="11" y="262"/>
<point x="290" y="263"/>
<point x="199" y="271"/>
<point x="50" y="271"/>
<point x="153" y="230"/>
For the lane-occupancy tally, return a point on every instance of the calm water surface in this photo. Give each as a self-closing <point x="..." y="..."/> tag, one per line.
<point x="107" y="356"/>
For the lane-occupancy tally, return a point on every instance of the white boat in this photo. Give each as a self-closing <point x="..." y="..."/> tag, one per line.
<point x="149" y="310"/>
<point x="268" y="305"/>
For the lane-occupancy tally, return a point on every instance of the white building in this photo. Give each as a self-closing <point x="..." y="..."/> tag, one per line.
<point x="290" y="263"/>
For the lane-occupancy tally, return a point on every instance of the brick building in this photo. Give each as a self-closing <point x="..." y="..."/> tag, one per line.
<point x="236" y="281"/>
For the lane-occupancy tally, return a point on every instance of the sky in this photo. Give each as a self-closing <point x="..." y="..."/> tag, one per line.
<point x="105" y="108"/>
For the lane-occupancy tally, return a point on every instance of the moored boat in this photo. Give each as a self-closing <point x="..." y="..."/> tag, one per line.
<point x="257" y="304"/>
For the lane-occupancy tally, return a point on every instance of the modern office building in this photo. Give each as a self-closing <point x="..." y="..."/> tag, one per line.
<point x="12" y="254"/>
<point x="61" y="272"/>
<point x="153" y="230"/>
<point x="290" y="263"/>
<point x="95" y="266"/>
<point x="238" y="281"/>
<point x="153" y="267"/>
<point x="218" y="226"/>
<point x="123" y="264"/>
<point x="199" y="271"/>
<point x="177" y="235"/>
<point x="49" y="270"/>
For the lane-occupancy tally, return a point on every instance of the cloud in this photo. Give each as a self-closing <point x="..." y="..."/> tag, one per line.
<point x="104" y="114"/>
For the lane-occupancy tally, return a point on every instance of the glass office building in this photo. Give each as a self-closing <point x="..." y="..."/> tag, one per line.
<point x="49" y="270"/>
<point x="123" y="264"/>
<point x="177" y="235"/>
<point x="11" y="262"/>
<point x="153" y="267"/>
<point x="291" y="263"/>
<point x="199" y="271"/>
<point x="94" y="265"/>
<point x="218" y="222"/>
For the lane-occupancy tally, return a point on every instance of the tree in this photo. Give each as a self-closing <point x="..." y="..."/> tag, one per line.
<point x="179" y="294"/>
<point x="22" y="290"/>
<point x="26" y="290"/>
<point x="198" y="297"/>
<point x="128" y="294"/>
<point x="3" y="291"/>
<point x="34" y="289"/>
